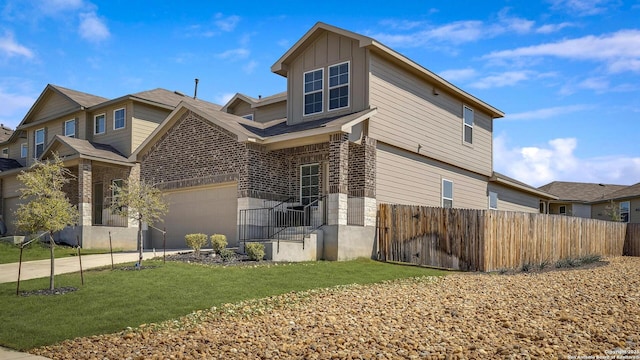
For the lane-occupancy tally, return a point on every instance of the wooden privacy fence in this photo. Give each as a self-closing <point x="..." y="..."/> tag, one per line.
<point x="487" y="240"/>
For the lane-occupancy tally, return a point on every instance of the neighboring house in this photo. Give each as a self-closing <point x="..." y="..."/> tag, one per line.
<point x="624" y="202"/>
<point x="94" y="136"/>
<point x="575" y="198"/>
<point x="359" y="124"/>
<point x="302" y="170"/>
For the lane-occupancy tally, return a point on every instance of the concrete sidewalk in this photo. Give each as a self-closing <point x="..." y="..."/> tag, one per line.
<point x="8" y="354"/>
<point x="42" y="268"/>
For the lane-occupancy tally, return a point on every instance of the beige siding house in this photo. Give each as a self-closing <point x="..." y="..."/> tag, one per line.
<point x="301" y="171"/>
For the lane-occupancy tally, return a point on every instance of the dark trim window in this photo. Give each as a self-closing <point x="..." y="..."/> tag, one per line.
<point x="624" y="211"/>
<point x="119" y="119"/>
<point x="562" y="210"/>
<point x="38" y="143"/>
<point x="468" y="125"/>
<point x="493" y="200"/>
<point x="309" y="183"/>
<point x="339" y="86"/>
<point x="447" y="193"/>
<point x="313" y="86"/>
<point x="70" y="128"/>
<point x="99" y="124"/>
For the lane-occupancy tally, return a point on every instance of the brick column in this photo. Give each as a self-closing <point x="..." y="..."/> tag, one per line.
<point x="338" y="179"/>
<point x="84" y="192"/>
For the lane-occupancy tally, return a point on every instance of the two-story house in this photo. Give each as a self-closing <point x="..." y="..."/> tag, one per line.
<point x="94" y="136"/>
<point x="359" y="124"/>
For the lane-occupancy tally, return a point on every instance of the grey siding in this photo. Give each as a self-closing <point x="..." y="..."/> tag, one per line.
<point x="411" y="115"/>
<point x="403" y="177"/>
<point x="513" y="200"/>
<point x="328" y="49"/>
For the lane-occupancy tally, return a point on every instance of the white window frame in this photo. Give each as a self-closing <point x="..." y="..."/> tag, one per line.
<point x="317" y="196"/>
<point x="124" y="119"/>
<point x="36" y="143"/>
<point x="5" y="152"/>
<point x="348" y="85"/>
<point x="495" y="195"/>
<point x="465" y="125"/>
<point x="95" y="119"/>
<point x="628" y="212"/>
<point x="24" y="150"/>
<point x="305" y="93"/>
<point x="443" y="198"/>
<point x="74" y="128"/>
<point x="248" y="117"/>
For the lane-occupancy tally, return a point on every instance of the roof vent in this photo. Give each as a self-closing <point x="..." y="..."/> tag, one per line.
<point x="259" y="97"/>
<point x="178" y="93"/>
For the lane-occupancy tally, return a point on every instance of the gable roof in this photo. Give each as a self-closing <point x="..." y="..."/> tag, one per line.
<point x="80" y="98"/>
<point x="511" y="182"/>
<point x="85" y="149"/>
<point x="580" y="192"/>
<point x="272" y="99"/>
<point x="5" y="133"/>
<point x="626" y="192"/>
<point x="281" y="66"/>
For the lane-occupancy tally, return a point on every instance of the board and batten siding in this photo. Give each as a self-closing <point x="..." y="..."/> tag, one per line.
<point x="327" y="50"/>
<point x="410" y="114"/>
<point x="403" y="177"/>
<point x="513" y="200"/>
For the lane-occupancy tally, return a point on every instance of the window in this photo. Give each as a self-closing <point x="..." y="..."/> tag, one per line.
<point x="70" y="128"/>
<point x="447" y="193"/>
<point x="248" y="117"/>
<point x="24" y="149"/>
<point x="118" y="119"/>
<point x="5" y="152"/>
<point x="493" y="200"/>
<point x="309" y="183"/>
<point x="624" y="211"/>
<point x="562" y="210"/>
<point x="313" y="85"/>
<point x="38" y="143"/>
<point x="339" y="86"/>
<point x="468" y="125"/>
<point x="99" y="124"/>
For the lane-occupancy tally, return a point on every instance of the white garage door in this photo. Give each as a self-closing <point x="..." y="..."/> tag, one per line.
<point x="208" y="210"/>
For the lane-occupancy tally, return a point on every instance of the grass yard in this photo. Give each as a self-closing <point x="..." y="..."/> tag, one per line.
<point x="10" y="253"/>
<point x="110" y="301"/>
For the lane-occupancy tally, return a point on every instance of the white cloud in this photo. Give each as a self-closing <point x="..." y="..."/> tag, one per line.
<point x="93" y="28"/>
<point x="458" y="74"/>
<point x="223" y="98"/>
<point x="14" y="107"/>
<point x="539" y="165"/>
<point x="226" y="23"/>
<point x="582" y="7"/>
<point x="234" y="54"/>
<point x="54" y="7"/>
<point x="508" y="78"/>
<point x="551" y="28"/>
<point x="546" y="113"/>
<point x="9" y="47"/>
<point x="619" y="50"/>
<point x="250" y="66"/>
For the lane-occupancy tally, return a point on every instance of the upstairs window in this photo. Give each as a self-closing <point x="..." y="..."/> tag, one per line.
<point x="309" y="183"/>
<point x="38" y="143"/>
<point x="70" y="128"/>
<point x="493" y="200"/>
<point x="99" y="124"/>
<point x="339" y="86"/>
<point x="468" y="125"/>
<point x="624" y="211"/>
<point x="118" y="119"/>
<point x="313" y="86"/>
<point x="447" y="193"/>
<point x="5" y="152"/>
<point x="24" y="149"/>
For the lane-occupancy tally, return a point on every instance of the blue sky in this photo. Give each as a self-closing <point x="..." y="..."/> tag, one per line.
<point x="565" y="72"/>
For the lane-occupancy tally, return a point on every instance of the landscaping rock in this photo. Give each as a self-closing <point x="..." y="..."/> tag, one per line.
<point x="549" y="315"/>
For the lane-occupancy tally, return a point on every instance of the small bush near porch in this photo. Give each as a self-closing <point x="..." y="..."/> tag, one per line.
<point x="111" y="301"/>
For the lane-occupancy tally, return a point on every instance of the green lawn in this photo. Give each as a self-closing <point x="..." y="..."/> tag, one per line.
<point x="10" y="253"/>
<point x="110" y="301"/>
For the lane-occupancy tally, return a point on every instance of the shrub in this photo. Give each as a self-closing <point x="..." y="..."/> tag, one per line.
<point x="227" y="254"/>
<point x="526" y="267"/>
<point x="255" y="251"/>
<point x="588" y="259"/>
<point x="543" y="265"/>
<point x="218" y="242"/>
<point x="567" y="263"/>
<point x="195" y="241"/>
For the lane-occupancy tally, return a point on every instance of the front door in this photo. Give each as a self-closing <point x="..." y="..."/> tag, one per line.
<point x="98" y="197"/>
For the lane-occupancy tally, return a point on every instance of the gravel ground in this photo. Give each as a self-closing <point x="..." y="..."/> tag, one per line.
<point x="559" y="314"/>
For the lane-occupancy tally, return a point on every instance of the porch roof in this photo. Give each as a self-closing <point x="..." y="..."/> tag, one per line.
<point x="9" y="164"/>
<point x="85" y="149"/>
